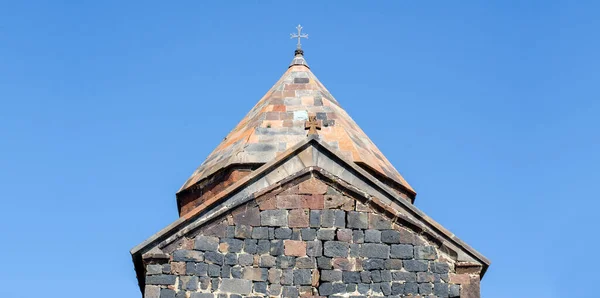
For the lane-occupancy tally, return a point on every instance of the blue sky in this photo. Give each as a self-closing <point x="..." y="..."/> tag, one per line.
<point x="488" y="108"/>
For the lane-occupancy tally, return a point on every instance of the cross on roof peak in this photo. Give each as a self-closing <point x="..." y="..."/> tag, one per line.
<point x="299" y="35"/>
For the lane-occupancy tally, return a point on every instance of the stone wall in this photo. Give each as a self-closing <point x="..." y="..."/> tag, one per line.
<point x="307" y="240"/>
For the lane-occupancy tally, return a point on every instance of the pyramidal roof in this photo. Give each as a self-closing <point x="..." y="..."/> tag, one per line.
<point x="278" y="122"/>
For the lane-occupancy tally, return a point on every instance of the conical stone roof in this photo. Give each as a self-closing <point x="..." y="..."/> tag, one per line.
<point x="277" y="122"/>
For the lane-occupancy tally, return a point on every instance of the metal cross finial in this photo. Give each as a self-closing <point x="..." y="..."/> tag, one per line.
<point x="298" y="36"/>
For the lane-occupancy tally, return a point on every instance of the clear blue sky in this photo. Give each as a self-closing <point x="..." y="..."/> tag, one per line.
<point x="488" y="108"/>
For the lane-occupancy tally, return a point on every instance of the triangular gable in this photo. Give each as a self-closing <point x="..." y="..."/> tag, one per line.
<point x="311" y="156"/>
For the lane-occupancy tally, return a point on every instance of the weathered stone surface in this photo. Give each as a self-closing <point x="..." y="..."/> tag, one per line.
<point x="167" y="293"/>
<point x="324" y="263"/>
<point x="246" y="216"/>
<point x="255" y="274"/>
<point x="302" y="277"/>
<point x="213" y="257"/>
<point x="298" y="218"/>
<point x="373" y="264"/>
<point x="415" y="265"/>
<point x="440" y="290"/>
<point x="426" y="288"/>
<point x="354" y="250"/>
<point x="245" y="259"/>
<point x="215" y="283"/>
<point x="358" y="236"/>
<point x="393" y="264"/>
<point x="454" y="291"/>
<point x="226" y="271"/>
<point x="162" y="279"/>
<point x="425" y="277"/>
<point x="390" y="236"/>
<point x="283" y="233"/>
<point x="308" y="234"/>
<point x="401" y="251"/>
<point x="386" y="288"/>
<point x="153" y="269"/>
<point x="338" y="202"/>
<point x="260" y="233"/>
<point x="305" y="263"/>
<point x="326" y="289"/>
<point x="345" y="253"/>
<point x="274" y="275"/>
<point x="315" y="218"/>
<point x="295" y="248"/>
<point x="250" y="246"/>
<point x="276" y="247"/>
<point x="386" y="275"/>
<point x="202" y="295"/>
<point x="373" y="236"/>
<point x="289" y="291"/>
<point x="397" y="288"/>
<point x="287" y="278"/>
<point x="234" y="285"/>
<point x="198" y="269"/>
<point x="344" y="264"/>
<point x="363" y="288"/>
<point x="274" y="218"/>
<point x="344" y="235"/>
<point x="314" y="248"/>
<point x="260" y="287"/>
<point x="439" y="267"/>
<point x="242" y="231"/>
<point x="335" y="249"/>
<point x="267" y="261"/>
<point x="351" y="277"/>
<point x="232" y="244"/>
<point x="425" y="253"/>
<point x="326" y="234"/>
<point x="206" y="243"/>
<point x="188" y="283"/>
<point x="263" y="247"/>
<point x="285" y="262"/>
<point x="274" y="290"/>
<point x="214" y="270"/>
<point x="312" y="186"/>
<point x="331" y="275"/>
<point x="375" y="250"/>
<point x="152" y="291"/>
<point x="376" y="276"/>
<point x="406" y="276"/>
<point x="166" y="268"/>
<point x="411" y="288"/>
<point x="379" y="222"/>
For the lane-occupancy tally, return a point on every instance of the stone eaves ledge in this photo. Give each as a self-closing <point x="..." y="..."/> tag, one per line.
<point x="311" y="156"/>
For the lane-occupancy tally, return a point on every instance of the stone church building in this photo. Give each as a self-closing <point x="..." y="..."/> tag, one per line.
<point x="297" y="201"/>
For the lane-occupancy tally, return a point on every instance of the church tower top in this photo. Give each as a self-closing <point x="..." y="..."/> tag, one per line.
<point x="296" y="107"/>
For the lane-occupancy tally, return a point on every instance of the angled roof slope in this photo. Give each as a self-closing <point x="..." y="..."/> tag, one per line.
<point x="307" y="156"/>
<point x="277" y="122"/>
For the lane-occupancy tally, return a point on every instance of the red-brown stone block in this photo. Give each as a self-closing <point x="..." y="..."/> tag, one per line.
<point x="339" y="202"/>
<point x="246" y="216"/>
<point x="298" y="218"/>
<point x="294" y="248"/>
<point x="299" y="201"/>
<point x="313" y="186"/>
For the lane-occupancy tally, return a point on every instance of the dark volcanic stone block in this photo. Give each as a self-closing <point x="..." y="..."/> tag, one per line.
<point x="401" y="251"/>
<point x="415" y="265"/>
<point x="375" y="250"/>
<point x="206" y="243"/>
<point x="335" y="249"/>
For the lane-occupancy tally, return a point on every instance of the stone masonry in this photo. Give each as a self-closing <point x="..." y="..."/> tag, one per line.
<point x="305" y="239"/>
